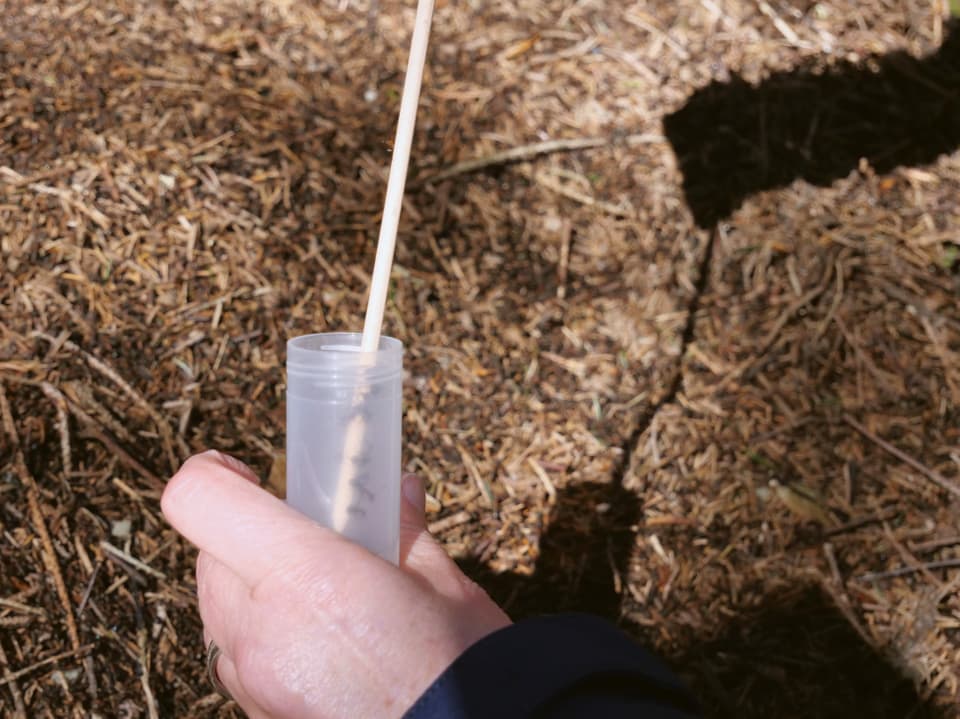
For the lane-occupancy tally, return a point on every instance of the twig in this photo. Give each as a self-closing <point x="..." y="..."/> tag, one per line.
<point x="103" y="368"/>
<point x="649" y="23"/>
<point x="841" y="598"/>
<point x="933" y="545"/>
<point x="93" y="429"/>
<point x="148" y="693"/>
<point x="563" y="268"/>
<point x="781" y="25"/>
<point x="551" y="183"/>
<point x="882" y="377"/>
<point x="48" y="553"/>
<point x="513" y="155"/>
<point x="13" y="178"/>
<point x="89" y="590"/>
<point x="131" y="560"/>
<point x="121" y="453"/>
<point x="454" y="520"/>
<point x="69" y="199"/>
<point x="474" y="472"/>
<point x="130" y="572"/>
<point x="545" y="480"/>
<point x="20" y="709"/>
<point x="152" y="712"/>
<point x="634" y="63"/>
<point x="20" y="620"/>
<point x="933" y="476"/>
<point x="81" y="395"/>
<point x="908" y="558"/>
<point x="24" y="608"/>
<point x="905" y="570"/>
<point x="28" y="593"/>
<point x="13" y="676"/>
<point x="768" y="342"/>
<point x="916" y="303"/>
<point x="862" y="522"/>
<point x="88" y="668"/>
<point x="835" y="305"/>
<point x="63" y="426"/>
<point x="944" y="355"/>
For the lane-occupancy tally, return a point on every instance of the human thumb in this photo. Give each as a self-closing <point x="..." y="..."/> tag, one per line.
<point x="419" y="552"/>
<point x="414" y="502"/>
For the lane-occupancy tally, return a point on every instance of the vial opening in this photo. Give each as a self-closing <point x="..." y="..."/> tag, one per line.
<point x="336" y="357"/>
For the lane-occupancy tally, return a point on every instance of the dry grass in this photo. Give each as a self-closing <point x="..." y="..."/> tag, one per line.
<point x="692" y="429"/>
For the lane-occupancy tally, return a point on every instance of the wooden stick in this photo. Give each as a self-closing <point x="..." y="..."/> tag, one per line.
<point x="13" y="676"/>
<point x="380" y="280"/>
<point x="904" y="571"/>
<point x="516" y="154"/>
<point x="48" y="553"/>
<point x="934" y="477"/>
<point x="387" y="242"/>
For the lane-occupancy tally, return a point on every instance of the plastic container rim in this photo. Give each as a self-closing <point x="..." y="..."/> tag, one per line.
<point x="312" y="355"/>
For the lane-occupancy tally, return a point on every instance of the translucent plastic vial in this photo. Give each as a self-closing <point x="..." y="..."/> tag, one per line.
<point x="343" y="437"/>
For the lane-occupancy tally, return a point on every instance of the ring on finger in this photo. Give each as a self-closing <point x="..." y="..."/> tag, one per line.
<point x="213" y="655"/>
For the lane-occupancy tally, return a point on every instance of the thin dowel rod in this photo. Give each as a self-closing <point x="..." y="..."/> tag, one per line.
<point x="380" y="281"/>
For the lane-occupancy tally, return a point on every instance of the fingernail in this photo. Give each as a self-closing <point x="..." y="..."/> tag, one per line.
<point x="215" y="454"/>
<point x="232" y="463"/>
<point x="413" y="492"/>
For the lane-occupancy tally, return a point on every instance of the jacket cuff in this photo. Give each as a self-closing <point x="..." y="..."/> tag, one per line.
<point x="555" y="661"/>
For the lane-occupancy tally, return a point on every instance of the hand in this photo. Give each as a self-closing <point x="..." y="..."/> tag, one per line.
<point x="311" y="625"/>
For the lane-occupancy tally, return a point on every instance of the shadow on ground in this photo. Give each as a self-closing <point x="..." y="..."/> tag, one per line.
<point x="797" y="657"/>
<point x="733" y="139"/>
<point x="584" y="550"/>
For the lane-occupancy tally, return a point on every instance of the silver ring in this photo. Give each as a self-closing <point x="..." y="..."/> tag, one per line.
<point x="213" y="654"/>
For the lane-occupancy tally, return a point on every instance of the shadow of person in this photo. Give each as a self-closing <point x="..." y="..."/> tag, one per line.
<point x="797" y="656"/>
<point x="733" y="139"/>
<point x="583" y="560"/>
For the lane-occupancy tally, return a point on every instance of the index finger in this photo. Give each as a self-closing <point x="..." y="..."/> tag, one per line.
<point x="246" y="528"/>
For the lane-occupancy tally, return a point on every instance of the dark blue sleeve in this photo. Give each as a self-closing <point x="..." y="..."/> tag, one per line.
<point x="560" y="667"/>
